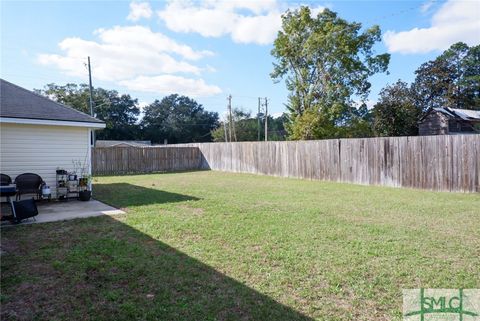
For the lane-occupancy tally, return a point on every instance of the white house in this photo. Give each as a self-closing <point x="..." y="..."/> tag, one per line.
<point x="38" y="135"/>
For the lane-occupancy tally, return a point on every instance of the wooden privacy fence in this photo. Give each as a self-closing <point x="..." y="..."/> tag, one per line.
<point x="131" y="160"/>
<point x="444" y="163"/>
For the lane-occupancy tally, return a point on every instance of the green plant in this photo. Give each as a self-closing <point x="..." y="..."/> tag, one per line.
<point x="85" y="180"/>
<point x="82" y="170"/>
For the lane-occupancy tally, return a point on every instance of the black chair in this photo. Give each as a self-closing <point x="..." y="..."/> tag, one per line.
<point x="8" y="191"/>
<point x="24" y="210"/>
<point x="5" y="180"/>
<point x="28" y="183"/>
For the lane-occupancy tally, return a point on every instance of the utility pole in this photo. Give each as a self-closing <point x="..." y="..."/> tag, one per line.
<point x="229" y="98"/>
<point x="266" y="119"/>
<point x="225" y="130"/>
<point x="258" y="117"/>
<point x="91" y="97"/>
<point x="90" y="86"/>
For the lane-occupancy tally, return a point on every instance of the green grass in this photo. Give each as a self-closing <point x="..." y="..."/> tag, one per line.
<point x="217" y="246"/>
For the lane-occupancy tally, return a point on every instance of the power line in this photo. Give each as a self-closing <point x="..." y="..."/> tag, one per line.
<point x="28" y="50"/>
<point x="391" y="14"/>
<point x="243" y="96"/>
<point x="36" y="77"/>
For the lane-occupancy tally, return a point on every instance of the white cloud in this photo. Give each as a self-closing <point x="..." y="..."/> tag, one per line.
<point x="170" y="84"/>
<point x="257" y="29"/>
<point x="139" y="10"/>
<point x="454" y="21"/>
<point x="138" y="36"/>
<point x="124" y="52"/>
<point x="245" y="21"/>
<point x="427" y="5"/>
<point x="369" y="103"/>
<point x="135" y="57"/>
<point x="255" y="6"/>
<point x="142" y="105"/>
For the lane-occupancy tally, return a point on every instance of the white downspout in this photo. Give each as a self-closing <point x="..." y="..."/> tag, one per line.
<point x="89" y="158"/>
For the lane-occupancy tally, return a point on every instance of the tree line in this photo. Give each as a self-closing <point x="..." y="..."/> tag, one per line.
<point x="174" y="118"/>
<point x="326" y="63"/>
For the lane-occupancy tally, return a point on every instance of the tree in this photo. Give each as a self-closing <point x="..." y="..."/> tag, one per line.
<point x="276" y="128"/>
<point x="246" y="127"/>
<point x="73" y="95"/>
<point x="450" y="80"/>
<point x="325" y="62"/>
<point x="396" y="114"/>
<point x="119" y="112"/>
<point x="179" y="119"/>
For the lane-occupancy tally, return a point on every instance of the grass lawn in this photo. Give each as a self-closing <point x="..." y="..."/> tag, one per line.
<point x="217" y="246"/>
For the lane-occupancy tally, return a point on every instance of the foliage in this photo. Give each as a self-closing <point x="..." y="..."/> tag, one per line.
<point x="276" y="128"/>
<point x="73" y="95"/>
<point x="179" y="119"/>
<point x="119" y="112"/>
<point x="244" y="128"/>
<point x="396" y="114"/>
<point x="247" y="128"/>
<point x="325" y="62"/>
<point x="450" y="80"/>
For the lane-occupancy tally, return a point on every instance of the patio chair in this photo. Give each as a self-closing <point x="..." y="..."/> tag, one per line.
<point x="28" y="183"/>
<point x="5" y="180"/>
<point x="24" y="210"/>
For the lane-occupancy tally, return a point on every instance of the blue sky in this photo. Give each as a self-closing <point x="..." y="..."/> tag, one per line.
<point x="205" y="49"/>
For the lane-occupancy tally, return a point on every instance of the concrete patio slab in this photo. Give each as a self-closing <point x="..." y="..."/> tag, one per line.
<point x="61" y="211"/>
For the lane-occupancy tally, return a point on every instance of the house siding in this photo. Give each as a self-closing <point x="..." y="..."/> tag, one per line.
<point x="433" y="124"/>
<point x="41" y="149"/>
<point x="456" y="126"/>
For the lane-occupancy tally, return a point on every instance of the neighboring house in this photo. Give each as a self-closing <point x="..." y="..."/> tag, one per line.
<point x="449" y="121"/>
<point x="37" y="135"/>
<point x="123" y="143"/>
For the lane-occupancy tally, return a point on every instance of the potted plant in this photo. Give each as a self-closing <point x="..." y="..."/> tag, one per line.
<point x="77" y="167"/>
<point x="84" y="180"/>
<point x="85" y="195"/>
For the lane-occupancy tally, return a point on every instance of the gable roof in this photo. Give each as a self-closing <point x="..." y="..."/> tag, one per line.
<point x="466" y="114"/>
<point x="455" y="113"/>
<point x="17" y="102"/>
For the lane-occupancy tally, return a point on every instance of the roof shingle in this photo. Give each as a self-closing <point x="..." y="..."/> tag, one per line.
<point x="17" y="102"/>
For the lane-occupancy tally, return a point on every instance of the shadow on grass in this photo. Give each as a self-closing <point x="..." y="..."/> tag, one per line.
<point x="103" y="269"/>
<point x="125" y="195"/>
